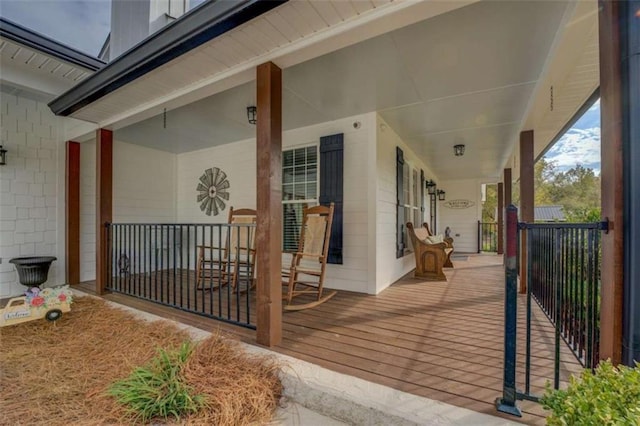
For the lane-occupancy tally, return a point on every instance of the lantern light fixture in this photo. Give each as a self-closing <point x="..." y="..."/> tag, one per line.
<point x="458" y="150"/>
<point x="441" y="195"/>
<point x="431" y="186"/>
<point x="252" y="114"/>
<point x="3" y="156"/>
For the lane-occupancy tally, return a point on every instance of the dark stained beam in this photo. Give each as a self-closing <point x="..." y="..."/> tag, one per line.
<point x="619" y="31"/>
<point x="269" y="205"/>
<point x="72" y="213"/>
<point x="500" y="218"/>
<point x="526" y="198"/>
<point x="507" y="180"/>
<point x="104" y="202"/>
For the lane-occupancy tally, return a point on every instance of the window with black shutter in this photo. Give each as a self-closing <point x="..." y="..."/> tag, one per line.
<point x="400" y="202"/>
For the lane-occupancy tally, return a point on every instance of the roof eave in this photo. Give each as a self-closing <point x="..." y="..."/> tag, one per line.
<point x="26" y="37"/>
<point x="199" y="26"/>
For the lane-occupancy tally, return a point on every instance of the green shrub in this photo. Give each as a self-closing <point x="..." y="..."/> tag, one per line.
<point x="611" y="396"/>
<point x="158" y="389"/>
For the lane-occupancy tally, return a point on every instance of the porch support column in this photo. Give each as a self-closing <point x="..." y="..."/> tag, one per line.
<point x="269" y="205"/>
<point x="500" y="218"/>
<point x="526" y="198"/>
<point x="619" y="28"/>
<point x="72" y="213"/>
<point x="104" y="202"/>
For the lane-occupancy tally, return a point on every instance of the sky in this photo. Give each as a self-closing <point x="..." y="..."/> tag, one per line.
<point x="84" y="25"/>
<point x="581" y="143"/>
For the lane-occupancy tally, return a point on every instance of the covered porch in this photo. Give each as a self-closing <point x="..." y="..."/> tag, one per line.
<point x="439" y="340"/>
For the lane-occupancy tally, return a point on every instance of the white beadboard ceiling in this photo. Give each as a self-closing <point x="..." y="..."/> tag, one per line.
<point x="475" y="75"/>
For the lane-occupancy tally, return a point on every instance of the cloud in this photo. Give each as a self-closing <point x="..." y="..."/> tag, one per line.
<point x="81" y="24"/>
<point x="577" y="146"/>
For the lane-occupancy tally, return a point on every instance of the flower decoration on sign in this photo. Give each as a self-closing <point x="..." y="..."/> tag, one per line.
<point x="212" y="191"/>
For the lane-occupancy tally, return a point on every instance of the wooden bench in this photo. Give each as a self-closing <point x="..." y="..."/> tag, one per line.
<point x="448" y="241"/>
<point x="430" y="258"/>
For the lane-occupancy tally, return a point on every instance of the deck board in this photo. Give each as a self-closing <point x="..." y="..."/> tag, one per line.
<point x="439" y="340"/>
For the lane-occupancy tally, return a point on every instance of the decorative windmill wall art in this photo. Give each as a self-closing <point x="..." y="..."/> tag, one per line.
<point x="212" y="191"/>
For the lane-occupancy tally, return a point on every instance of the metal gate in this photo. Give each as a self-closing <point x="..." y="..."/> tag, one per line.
<point x="563" y="280"/>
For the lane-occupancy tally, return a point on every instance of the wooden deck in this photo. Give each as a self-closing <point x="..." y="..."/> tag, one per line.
<point x="440" y="340"/>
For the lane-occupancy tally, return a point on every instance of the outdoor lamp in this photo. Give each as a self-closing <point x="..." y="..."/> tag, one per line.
<point x="431" y="186"/>
<point x="252" y="114"/>
<point x="441" y="195"/>
<point x="458" y="150"/>
<point x="3" y="156"/>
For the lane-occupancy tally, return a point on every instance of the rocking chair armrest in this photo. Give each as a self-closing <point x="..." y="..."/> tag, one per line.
<point x="442" y="245"/>
<point x="209" y="247"/>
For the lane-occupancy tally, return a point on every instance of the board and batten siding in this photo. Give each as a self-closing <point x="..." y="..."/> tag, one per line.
<point x="238" y="161"/>
<point x="462" y="222"/>
<point x="389" y="268"/>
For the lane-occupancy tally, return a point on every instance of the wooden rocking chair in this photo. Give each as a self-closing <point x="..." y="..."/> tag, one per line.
<point x="218" y="266"/>
<point x="305" y="277"/>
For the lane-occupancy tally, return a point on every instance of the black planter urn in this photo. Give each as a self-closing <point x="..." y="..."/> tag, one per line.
<point x="32" y="271"/>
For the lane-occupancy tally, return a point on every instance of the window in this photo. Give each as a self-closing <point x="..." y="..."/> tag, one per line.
<point x="299" y="190"/>
<point x="412" y="197"/>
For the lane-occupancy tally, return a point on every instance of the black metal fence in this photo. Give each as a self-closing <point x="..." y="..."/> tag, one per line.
<point x="563" y="276"/>
<point x="487" y="237"/>
<point x="207" y="269"/>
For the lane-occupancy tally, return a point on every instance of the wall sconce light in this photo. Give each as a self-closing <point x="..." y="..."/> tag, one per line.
<point x="3" y="156"/>
<point x="252" y="114"/>
<point x="441" y="195"/>
<point x="458" y="150"/>
<point x="431" y="186"/>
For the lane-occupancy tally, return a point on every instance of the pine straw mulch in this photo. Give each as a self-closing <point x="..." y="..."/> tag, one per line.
<point x="58" y="373"/>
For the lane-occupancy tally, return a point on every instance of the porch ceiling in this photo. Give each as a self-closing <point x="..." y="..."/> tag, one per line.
<point x="467" y="76"/>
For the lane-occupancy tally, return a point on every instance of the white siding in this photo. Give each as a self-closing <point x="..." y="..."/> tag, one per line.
<point x="238" y="161"/>
<point x="30" y="195"/>
<point x="463" y="222"/>
<point x="388" y="268"/>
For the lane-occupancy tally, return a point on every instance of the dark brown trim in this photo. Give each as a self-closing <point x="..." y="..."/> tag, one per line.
<point x="500" y="191"/>
<point x="104" y="202"/>
<point x="269" y="205"/>
<point x="507" y="180"/>
<point x="612" y="183"/>
<point x="72" y="213"/>
<point x="526" y="198"/>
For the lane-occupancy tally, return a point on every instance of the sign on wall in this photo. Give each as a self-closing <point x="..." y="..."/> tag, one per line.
<point x="212" y="190"/>
<point x="459" y="204"/>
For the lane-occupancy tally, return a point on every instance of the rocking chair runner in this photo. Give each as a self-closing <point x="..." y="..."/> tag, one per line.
<point x="304" y="277"/>
<point x="219" y="266"/>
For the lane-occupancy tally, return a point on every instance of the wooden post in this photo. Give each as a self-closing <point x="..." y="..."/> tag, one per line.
<point x="269" y="205"/>
<point x="72" y="213"/>
<point x="104" y="197"/>
<point x="500" y="218"/>
<point x="507" y="181"/>
<point x="612" y="180"/>
<point x="526" y="198"/>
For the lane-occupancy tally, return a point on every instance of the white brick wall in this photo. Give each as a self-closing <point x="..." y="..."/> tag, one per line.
<point x="28" y="188"/>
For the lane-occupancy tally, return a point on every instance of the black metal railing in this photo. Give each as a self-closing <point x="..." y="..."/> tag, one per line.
<point x="207" y="269"/>
<point x="563" y="269"/>
<point x="487" y="237"/>
<point x="563" y="278"/>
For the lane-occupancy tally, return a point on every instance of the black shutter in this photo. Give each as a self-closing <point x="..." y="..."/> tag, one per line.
<point x="331" y="178"/>
<point x="421" y="198"/>
<point x="400" y="203"/>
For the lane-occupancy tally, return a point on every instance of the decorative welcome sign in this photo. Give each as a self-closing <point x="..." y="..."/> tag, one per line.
<point x="459" y="204"/>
